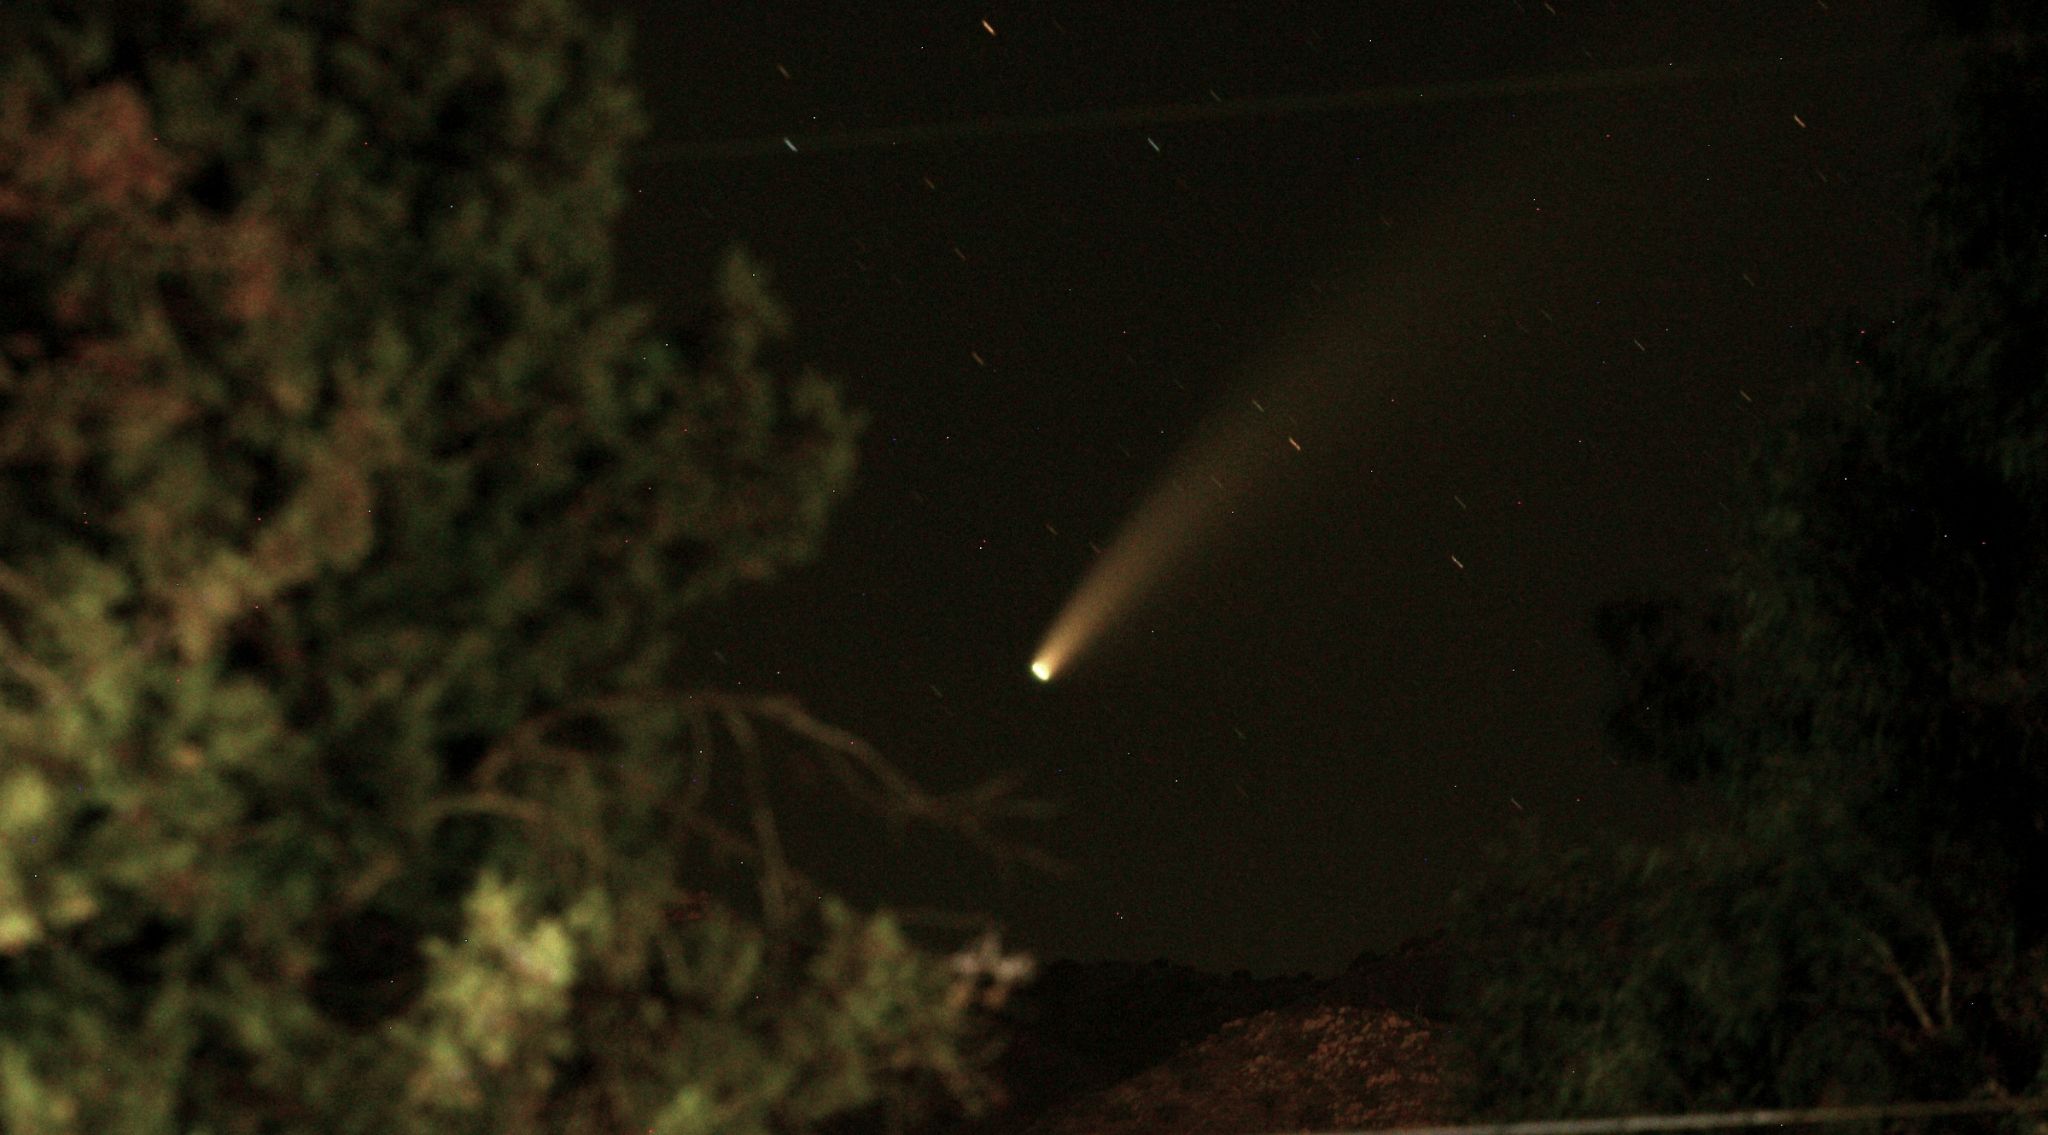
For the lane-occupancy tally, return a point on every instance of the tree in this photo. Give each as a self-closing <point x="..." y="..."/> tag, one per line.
<point x="1865" y="694"/>
<point x="349" y="777"/>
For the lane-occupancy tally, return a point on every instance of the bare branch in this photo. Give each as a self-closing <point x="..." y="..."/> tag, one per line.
<point x="784" y="892"/>
<point x="1948" y="974"/>
<point x="1891" y="966"/>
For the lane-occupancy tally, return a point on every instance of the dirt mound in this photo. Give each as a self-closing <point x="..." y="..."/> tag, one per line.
<point x="1151" y="1040"/>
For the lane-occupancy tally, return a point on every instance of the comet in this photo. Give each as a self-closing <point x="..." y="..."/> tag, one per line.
<point x="1192" y="508"/>
<point x="1297" y="421"/>
<point x="1356" y="377"/>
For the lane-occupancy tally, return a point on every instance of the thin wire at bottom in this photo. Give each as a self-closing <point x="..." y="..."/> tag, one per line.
<point x="1720" y="1120"/>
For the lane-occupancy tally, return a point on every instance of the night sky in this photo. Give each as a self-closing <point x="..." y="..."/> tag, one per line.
<point x="1521" y="337"/>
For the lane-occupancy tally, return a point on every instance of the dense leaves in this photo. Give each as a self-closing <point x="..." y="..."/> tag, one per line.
<point x="350" y="529"/>
<point x="1865" y="695"/>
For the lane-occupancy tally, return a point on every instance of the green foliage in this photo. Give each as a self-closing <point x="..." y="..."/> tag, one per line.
<point x="1865" y="695"/>
<point x="350" y="530"/>
<point x="1707" y="976"/>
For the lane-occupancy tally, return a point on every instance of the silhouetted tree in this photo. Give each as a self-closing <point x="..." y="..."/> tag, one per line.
<point x="1867" y="696"/>
<point x="349" y="779"/>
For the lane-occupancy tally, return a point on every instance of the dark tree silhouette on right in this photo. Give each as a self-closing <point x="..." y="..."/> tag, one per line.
<point x="1866" y="693"/>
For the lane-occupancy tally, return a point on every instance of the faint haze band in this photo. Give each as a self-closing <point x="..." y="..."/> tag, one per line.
<point x="1220" y="109"/>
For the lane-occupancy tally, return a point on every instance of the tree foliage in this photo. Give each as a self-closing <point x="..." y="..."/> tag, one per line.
<point x="1866" y="694"/>
<point x="349" y="777"/>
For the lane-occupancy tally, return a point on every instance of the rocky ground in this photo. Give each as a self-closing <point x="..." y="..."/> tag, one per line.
<point x="1116" y="1048"/>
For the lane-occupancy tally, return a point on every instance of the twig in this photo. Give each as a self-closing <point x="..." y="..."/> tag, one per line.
<point x="1913" y="1001"/>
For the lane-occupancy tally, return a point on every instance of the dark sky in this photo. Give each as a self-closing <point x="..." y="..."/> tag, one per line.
<point x="1531" y="331"/>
